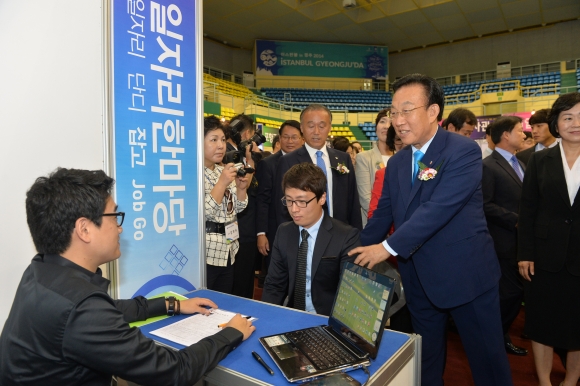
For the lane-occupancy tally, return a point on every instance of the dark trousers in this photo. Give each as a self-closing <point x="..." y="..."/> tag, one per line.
<point x="511" y="293"/>
<point x="479" y="326"/>
<point x="244" y="270"/>
<point x="220" y="278"/>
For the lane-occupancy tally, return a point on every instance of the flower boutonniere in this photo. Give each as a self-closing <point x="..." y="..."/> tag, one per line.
<point x="379" y="165"/>
<point x="341" y="169"/>
<point x="426" y="173"/>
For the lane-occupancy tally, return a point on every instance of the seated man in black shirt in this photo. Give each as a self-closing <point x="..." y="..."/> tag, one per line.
<point x="64" y="328"/>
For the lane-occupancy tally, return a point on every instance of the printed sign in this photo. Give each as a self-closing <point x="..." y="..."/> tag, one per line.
<point x="155" y="147"/>
<point x="320" y="59"/>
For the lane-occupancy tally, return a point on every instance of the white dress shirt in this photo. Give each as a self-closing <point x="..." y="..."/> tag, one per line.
<point x="312" y="152"/>
<point x="572" y="176"/>
<point x="313" y="233"/>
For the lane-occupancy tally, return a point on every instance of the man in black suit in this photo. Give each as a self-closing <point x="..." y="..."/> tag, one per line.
<point x="502" y="188"/>
<point x="266" y="226"/>
<point x="342" y="195"/>
<point x="541" y="134"/>
<point x="309" y="252"/>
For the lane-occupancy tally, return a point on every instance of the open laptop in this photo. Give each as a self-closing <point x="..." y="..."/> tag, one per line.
<point x="353" y="333"/>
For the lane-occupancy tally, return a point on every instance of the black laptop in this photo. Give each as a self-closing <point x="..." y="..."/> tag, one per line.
<point x="350" y="339"/>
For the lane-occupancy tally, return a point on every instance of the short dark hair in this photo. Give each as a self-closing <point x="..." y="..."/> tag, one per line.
<point x="291" y="122"/>
<point x="56" y="202"/>
<point x="247" y="121"/>
<point x="313" y="107"/>
<point x="433" y="90"/>
<point x="383" y="113"/>
<point x="391" y="134"/>
<point x="460" y="116"/>
<point x="340" y="143"/>
<point x="275" y="140"/>
<point x="528" y="134"/>
<point x="305" y="176"/>
<point x="540" y="116"/>
<point x="563" y="103"/>
<point x="501" y="125"/>
<point x="212" y="123"/>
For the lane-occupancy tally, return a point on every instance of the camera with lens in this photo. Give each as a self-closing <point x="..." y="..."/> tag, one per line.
<point x="243" y="170"/>
<point x="236" y="127"/>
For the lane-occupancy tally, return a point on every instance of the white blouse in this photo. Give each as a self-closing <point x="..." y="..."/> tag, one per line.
<point x="572" y="176"/>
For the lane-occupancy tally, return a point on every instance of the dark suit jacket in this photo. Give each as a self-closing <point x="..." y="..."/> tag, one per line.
<point x="525" y="155"/>
<point x="335" y="239"/>
<point x="549" y="227"/>
<point x="345" y="202"/>
<point x="265" y="201"/>
<point x="439" y="223"/>
<point x="502" y="189"/>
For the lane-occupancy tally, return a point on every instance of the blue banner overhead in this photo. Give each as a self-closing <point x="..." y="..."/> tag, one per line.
<point x="284" y="58"/>
<point x="155" y="144"/>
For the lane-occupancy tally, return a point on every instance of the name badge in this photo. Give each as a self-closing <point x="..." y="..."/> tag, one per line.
<point x="232" y="232"/>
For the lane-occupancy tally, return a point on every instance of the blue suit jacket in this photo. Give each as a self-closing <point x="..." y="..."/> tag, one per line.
<point x="440" y="226"/>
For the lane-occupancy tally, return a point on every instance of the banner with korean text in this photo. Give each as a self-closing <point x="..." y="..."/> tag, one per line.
<point x="156" y="161"/>
<point x="320" y="60"/>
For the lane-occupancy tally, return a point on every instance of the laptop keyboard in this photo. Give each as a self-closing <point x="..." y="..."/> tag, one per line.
<point x="323" y="351"/>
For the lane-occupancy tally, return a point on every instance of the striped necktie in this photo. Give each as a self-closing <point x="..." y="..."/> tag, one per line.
<point x="300" y="287"/>
<point x="516" y="166"/>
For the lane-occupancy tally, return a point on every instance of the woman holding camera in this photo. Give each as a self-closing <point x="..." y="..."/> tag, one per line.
<point x="225" y="196"/>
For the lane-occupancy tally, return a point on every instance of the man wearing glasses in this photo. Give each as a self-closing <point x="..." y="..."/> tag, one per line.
<point x="309" y="252"/>
<point x="432" y="194"/>
<point x="64" y="328"/>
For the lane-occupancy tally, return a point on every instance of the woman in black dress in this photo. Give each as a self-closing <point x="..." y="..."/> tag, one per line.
<point x="549" y="243"/>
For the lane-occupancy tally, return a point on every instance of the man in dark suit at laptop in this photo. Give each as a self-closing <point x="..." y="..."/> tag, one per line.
<point x="342" y="194"/>
<point x="309" y="252"/>
<point x="502" y="187"/>
<point x="541" y="134"/>
<point x="432" y="195"/>
<point x="266" y="225"/>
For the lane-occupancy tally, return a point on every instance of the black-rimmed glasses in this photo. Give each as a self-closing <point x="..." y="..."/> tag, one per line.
<point x="117" y="214"/>
<point x="299" y="203"/>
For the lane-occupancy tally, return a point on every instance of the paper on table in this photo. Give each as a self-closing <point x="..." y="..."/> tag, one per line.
<point x="193" y="329"/>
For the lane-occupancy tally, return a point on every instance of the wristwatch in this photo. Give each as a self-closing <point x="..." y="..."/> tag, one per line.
<point x="171" y="306"/>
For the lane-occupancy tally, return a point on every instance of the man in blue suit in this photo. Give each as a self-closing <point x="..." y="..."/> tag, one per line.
<point x="432" y="194"/>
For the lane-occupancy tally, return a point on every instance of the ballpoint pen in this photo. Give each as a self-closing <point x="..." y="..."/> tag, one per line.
<point x="259" y="359"/>
<point x="225" y="324"/>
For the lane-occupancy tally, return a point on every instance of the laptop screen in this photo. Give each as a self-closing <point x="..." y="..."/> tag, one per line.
<point x="361" y="306"/>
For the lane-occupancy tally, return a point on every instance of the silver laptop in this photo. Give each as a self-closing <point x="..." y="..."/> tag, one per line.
<point x="350" y="339"/>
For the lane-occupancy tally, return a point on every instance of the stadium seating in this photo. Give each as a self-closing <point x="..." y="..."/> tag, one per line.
<point x="351" y="100"/>
<point x="229" y="88"/>
<point x="369" y="129"/>
<point x="531" y="85"/>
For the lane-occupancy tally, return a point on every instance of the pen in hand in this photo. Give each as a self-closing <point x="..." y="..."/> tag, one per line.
<point x="259" y="359"/>
<point x="225" y="324"/>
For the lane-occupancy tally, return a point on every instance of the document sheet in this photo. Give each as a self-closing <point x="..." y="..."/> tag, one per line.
<point x="194" y="328"/>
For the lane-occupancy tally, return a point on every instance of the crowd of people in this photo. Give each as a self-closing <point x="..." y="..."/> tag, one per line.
<point x="471" y="235"/>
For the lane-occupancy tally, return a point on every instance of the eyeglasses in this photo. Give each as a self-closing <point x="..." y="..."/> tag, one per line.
<point x="118" y="214"/>
<point x="299" y="203"/>
<point x="229" y="201"/>
<point x="404" y="113"/>
<point x="293" y="138"/>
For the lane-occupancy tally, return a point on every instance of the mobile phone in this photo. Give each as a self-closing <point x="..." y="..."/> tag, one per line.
<point x="336" y="379"/>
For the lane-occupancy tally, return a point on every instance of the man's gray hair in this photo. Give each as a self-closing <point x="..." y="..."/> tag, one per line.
<point x="313" y="107"/>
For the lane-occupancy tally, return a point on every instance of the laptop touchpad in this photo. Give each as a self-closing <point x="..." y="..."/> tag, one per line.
<point x="285" y="351"/>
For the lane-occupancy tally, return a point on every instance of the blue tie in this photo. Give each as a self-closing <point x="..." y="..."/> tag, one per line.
<point x="516" y="166"/>
<point x="417" y="156"/>
<point x="322" y="165"/>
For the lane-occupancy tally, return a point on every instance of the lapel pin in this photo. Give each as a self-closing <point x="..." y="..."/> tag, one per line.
<point x="430" y="162"/>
